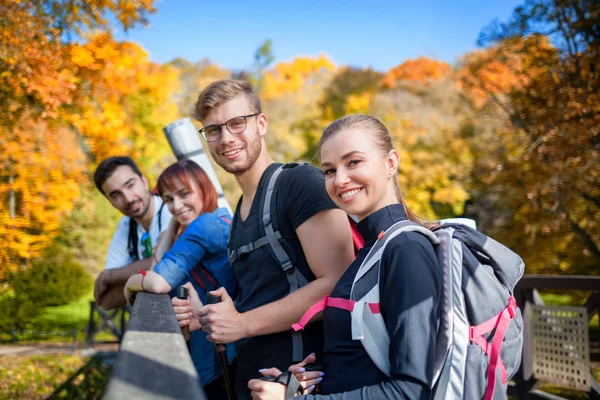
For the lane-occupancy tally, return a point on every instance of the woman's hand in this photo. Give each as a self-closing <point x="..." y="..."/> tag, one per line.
<point x="267" y="390"/>
<point x="188" y="320"/>
<point x="308" y="379"/>
<point x="131" y="287"/>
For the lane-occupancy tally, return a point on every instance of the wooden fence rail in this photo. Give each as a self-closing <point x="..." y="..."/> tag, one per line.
<point x="153" y="361"/>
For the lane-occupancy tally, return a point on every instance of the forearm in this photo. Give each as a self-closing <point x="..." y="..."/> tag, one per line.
<point x="121" y="275"/>
<point x="113" y="297"/>
<point x="279" y="316"/>
<point x="389" y="389"/>
<point x="152" y="283"/>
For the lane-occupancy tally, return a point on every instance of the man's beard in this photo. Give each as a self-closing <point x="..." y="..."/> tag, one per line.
<point x="144" y="209"/>
<point x="253" y="150"/>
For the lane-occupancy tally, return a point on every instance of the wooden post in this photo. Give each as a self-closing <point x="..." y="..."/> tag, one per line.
<point x="91" y="328"/>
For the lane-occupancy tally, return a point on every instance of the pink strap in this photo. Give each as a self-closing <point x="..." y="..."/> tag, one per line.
<point x="500" y="322"/>
<point x="327" y="301"/>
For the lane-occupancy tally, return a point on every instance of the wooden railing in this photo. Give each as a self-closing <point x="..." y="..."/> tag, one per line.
<point x="153" y="361"/>
<point x="526" y="294"/>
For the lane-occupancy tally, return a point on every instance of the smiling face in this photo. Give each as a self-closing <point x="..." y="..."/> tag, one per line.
<point x="128" y="192"/>
<point x="358" y="176"/>
<point x="236" y="153"/>
<point x="185" y="203"/>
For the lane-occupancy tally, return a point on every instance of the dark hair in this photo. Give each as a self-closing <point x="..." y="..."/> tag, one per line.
<point x="106" y="168"/>
<point x="383" y="140"/>
<point x="186" y="171"/>
<point x="222" y="91"/>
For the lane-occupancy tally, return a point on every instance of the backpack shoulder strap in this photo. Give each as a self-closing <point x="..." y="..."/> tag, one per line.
<point x="273" y="238"/>
<point x="364" y="275"/>
<point x="368" y="324"/>
<point x="204" y="279"/>
<point x="132" y="241"/>
<point x="269" y="220"/>
<point x="159" y="214"/>
<point x="294" y="277"/>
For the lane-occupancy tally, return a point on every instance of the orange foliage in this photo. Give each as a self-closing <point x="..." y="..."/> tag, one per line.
<point x="112" y="96"/>
<point x="501" y="69"/>
<point x="421" y="70"/>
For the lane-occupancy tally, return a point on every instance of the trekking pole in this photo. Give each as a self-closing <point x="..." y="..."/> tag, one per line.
<point x="222" y="352"/>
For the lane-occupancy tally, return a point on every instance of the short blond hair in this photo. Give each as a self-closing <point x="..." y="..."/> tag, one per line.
<point x="222" y="91"/>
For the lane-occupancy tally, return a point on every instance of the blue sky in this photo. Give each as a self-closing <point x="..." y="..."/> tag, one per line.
<point x="380" y="34"/>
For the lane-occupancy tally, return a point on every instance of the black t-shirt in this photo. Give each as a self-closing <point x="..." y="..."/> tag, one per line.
<point x="410" y="289"/>
<point x="300" y="194"/>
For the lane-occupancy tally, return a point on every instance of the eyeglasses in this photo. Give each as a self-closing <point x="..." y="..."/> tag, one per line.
<point x="147" y="243"/>
<point x="235" y="126"/>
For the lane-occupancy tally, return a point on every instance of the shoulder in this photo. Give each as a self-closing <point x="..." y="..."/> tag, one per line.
<point x="161" y="208"/>
<point x="211" y="225"/>
<point x="302" y="194"/>
<point x="304" y="180"/>
<point x="123" y="225"/>
<point x="302" y="172"/>
<point x="412" y="249"/>
<point x="409" y="262"/>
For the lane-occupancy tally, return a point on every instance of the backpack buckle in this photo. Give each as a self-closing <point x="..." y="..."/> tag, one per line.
<point x="471" y="334"/>
<point x="512" y="307"/>
<point x="288" y="266"/>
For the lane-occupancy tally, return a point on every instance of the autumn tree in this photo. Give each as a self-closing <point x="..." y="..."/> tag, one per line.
<point x="42" y="168"/>
<point x="546" y="158"/>
<point x="421" y="70"/>
<point x="349" y="81"/>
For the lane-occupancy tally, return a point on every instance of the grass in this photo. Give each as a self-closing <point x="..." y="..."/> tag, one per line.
<point x="39" y="376"/>
<point x="62" y="319"/>
<point x="73" y="315"/>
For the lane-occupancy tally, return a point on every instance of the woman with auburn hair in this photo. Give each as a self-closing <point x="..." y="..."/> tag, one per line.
<point x="360" y="167"/>
<point x="198" y="255"/>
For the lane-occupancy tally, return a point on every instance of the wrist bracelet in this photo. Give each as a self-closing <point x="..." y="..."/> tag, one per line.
<point x="141" y="271"/>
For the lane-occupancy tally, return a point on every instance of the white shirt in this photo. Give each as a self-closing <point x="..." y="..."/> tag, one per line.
<point x="118" y="252"/>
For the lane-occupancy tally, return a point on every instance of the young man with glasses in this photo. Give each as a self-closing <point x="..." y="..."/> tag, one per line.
<point x="132" y="245"/>
<point x="312" y="233"/>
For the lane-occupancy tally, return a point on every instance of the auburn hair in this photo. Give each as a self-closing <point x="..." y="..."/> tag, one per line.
<point x="186" y="172"/>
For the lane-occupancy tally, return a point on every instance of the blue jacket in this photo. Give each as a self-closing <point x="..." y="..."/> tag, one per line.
<point x="204" y="241"/>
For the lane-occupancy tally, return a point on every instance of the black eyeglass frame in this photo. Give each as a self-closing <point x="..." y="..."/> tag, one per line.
<point x="203" y="130"/>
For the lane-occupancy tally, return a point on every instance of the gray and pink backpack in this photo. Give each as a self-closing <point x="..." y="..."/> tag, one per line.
<point x="480" y="337"/>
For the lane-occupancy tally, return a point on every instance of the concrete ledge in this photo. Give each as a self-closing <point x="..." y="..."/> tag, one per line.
<point x="153" y="361"/>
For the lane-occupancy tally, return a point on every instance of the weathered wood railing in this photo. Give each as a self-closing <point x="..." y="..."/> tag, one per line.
<point x="153" y="361"/>
<point x="527" y="296"/>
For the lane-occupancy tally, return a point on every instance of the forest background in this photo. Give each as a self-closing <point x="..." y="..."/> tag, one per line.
<point x="508" y="135"/>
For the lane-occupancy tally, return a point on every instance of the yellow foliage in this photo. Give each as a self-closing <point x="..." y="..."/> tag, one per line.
<point x="291" y="77"/>
<point x="47" y="173"/>
<point x="358" y="104"/>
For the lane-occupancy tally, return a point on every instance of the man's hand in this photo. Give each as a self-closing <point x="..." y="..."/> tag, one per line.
<point x="101" y="286"/>
<point x="222" y="322"/>
<point x="188" y="321"/>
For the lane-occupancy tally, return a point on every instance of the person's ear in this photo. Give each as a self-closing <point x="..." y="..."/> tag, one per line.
<point x="145" y="182"/>
<point x="263" y="124"/>
<point x="393" y="161"/>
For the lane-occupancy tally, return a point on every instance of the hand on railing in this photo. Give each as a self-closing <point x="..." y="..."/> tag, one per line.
<point x="184" y="311"/>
